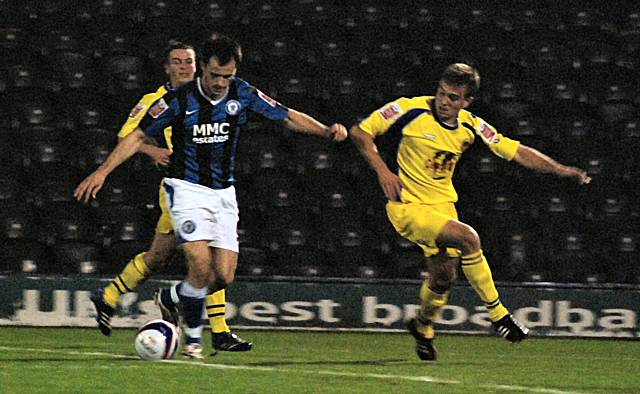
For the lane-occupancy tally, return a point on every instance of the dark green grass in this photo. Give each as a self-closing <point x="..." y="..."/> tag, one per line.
<point x="46" y="360"/>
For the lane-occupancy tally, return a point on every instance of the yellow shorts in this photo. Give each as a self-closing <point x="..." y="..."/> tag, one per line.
<point x="165" y="224"/>
<point x="422" y="223"/>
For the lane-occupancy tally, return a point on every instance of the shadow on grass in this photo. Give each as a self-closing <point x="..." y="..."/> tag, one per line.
<point x="43" y="360"/>
<point x="85" y="358"/>
<point x="328" y="362"/>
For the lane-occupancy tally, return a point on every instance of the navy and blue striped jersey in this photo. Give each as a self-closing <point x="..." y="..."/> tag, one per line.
<point x="206" y="133"/>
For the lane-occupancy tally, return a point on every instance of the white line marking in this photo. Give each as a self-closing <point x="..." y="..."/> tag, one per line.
<point x="427" y="379"/>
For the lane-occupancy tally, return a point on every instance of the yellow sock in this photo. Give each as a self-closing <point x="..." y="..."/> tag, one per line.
<point x="478" y="273"/>
<point x="431" y="304"/>
<point x="132" y="276"/>
<point x="215" y="310"/>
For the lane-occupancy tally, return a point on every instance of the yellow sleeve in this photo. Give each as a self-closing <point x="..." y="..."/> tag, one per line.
<point x="138" y="112"/>
<point x="135" y="116"/>
<point x="499" y="144"/>
<point x="380" y="120"/>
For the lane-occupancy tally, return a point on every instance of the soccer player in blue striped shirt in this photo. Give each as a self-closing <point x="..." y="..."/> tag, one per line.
<point x="205" y="115"/>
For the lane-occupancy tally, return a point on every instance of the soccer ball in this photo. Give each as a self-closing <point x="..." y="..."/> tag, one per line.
<point x="157" y="340"/>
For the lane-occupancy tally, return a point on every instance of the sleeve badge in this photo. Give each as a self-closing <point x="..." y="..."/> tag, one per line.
<point x="158" y="108"/>
<point x="487" y="132"/>
<point x="390" y="111"/>
<point x="135" y="111"/>
<point x="267" y="99"/>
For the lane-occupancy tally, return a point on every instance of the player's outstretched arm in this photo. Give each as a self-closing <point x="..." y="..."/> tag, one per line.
<point x="160" y="156"/>
<point x="90" y="186"/>
<point x="538" y="161"/>
<point x="390" y="182"/>
<point x="303" y="123"/>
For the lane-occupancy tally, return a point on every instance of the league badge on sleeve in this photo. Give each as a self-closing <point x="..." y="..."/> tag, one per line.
<point x="390" y="111"/>
<point x="158" y="108"/>
<point x="232" y="107"/>
<point x="487" y="132"/>
<point x="136" y="110"/>
<point x="267" y="99"/>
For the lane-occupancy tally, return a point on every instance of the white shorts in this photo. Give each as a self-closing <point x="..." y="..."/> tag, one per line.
<point x="200" y="213"/>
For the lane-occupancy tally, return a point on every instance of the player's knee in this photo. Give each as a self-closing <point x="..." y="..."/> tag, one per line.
<point x="198" y="278"/>
<point x="469" y="240"/>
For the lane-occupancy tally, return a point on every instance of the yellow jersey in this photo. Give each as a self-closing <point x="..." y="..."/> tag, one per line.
<point x="140" y="109"/>
<point x="429" y="148"/>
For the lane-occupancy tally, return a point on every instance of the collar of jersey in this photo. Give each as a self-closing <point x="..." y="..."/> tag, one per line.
<point x="212" y="101"/>
<point x="435" y="116"/>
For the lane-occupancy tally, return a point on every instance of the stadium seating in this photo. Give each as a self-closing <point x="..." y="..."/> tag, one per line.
<point x="128" y="232"/>
<point x="622" y="255"/>
<point x="69" y="77"/>
<point x="296" y="254"/>
<point x="404" y="259"/>
<point x="253" y="258"/>
<point x="22" y="249"/>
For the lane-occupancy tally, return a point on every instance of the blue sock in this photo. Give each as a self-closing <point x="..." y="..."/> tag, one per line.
<point x="165" y="295"/>
<point x="192" y="300"/>
<point x="192" y="310"/>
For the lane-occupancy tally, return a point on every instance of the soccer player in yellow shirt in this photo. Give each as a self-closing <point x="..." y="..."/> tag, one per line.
<point x="435" y="132"/>
<point x="180" y="67"/>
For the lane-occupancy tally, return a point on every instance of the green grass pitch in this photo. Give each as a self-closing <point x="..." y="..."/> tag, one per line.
<point x="70" y="360"/>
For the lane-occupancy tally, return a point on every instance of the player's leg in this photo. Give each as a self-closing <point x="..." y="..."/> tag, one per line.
<point x="140" y="268"/>
<point x="135" y="273"/>
<point x="421" y="224"/>
<point x="222" y="338"/>
<point x="137" y="270"/>
<point x="434" y="293"/>
<point x="216" y="309"/>
<point x="223" y="269"/>
<point x="476" y="270"/>
<point x="190" y="294"/>
<point x="225" y="246"/>
<point x="225" y="262"/>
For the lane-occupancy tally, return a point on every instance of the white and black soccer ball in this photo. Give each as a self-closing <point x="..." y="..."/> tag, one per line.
<point x="157" y="340"/>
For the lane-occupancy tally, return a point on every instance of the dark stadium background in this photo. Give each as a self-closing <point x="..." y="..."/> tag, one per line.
<point x="557" y="77"/>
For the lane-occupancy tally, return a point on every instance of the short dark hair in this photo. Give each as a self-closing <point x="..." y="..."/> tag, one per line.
<point x="223" y="48"/>
<point x="173" y="45"/>
<point x="461" y="74"/>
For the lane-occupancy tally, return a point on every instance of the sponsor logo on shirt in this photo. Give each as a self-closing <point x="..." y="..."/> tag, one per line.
<point x="136" y="110"/>
<point x="158" y="108"/>
<point x="267" y="99"/>
<point x="442" y="165"/>
<point x="390" y="111"/>
<point x="210" y="133"/>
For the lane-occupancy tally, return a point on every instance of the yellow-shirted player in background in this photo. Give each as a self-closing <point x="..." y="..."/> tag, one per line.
<point x="435" y="132"/>
<point x="180" y="67"/>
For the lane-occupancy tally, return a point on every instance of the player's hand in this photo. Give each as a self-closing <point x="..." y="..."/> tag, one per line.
<point x="576" y="173"/>
<point x="160" y="156"/>
<point x="337" y="132"/>
<point x="391" y="185"/>
<point x="90" y="186"/>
